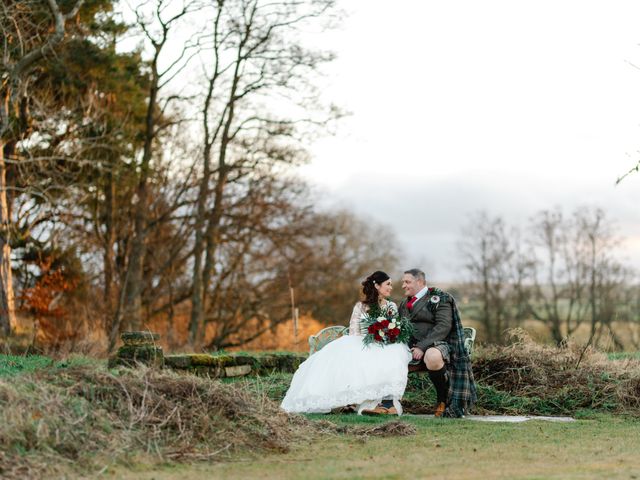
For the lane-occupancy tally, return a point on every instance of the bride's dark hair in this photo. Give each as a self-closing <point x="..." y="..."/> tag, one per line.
<point x="369" y="289"/>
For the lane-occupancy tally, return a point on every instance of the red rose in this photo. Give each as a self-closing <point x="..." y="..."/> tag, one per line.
<point x="385" y="323"/>
<point x="371" y="329"/>
<point x="395" y="331"/>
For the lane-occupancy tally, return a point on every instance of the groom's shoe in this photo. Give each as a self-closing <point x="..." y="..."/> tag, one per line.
<point x="392" y="411"/>
<point x="440" y="408"/>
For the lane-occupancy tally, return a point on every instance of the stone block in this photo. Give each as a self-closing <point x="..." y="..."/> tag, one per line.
<point x="242" y="359"/>
<point x="237" y="371"/>
<point x="204" y="359"/>
<point x="178" y="361"/>
<point x="130" y="356"/>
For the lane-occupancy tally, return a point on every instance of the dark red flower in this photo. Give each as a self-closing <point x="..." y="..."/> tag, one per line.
<point x="371" y="329"/>
<point x="385" y="323"/>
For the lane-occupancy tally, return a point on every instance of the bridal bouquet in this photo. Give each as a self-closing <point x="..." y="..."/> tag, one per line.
<point x="385" y="326"/>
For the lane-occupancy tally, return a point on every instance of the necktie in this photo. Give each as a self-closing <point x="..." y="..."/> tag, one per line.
<point x="411" y="301"/>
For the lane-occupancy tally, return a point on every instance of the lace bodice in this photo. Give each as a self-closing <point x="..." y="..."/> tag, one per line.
<point x="359" y="310"/>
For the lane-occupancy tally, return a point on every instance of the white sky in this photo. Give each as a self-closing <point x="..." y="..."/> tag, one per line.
<point x="508" y="106"/>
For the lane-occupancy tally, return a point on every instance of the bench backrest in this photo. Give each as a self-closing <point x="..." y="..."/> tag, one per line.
<point x="325" y="336"/>
<point x="469" y="339"/>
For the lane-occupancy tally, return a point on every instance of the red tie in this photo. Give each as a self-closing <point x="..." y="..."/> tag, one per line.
<point x="411" y="301"/>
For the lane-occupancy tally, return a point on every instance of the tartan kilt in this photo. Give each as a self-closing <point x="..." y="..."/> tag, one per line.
<point x="462" y="393"/>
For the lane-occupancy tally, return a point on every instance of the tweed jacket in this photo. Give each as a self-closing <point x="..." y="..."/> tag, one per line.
<point x="429" y="327"/>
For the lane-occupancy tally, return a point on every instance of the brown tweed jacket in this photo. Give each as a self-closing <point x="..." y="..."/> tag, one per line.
<point x="429" y="328"/>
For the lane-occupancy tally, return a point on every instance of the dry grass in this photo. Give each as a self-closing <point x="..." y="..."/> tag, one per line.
<point x="52" y="418"/>
<point x="558" y="380"/>
<point x="84" y="418"/>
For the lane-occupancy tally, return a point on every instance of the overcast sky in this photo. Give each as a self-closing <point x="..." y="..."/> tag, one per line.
<point x="457" y="106"/>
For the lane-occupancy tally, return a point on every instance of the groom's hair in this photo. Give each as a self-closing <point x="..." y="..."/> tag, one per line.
<point x="416" y="272"/>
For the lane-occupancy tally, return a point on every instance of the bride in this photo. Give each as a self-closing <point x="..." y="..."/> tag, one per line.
<point x="347" y="372"/>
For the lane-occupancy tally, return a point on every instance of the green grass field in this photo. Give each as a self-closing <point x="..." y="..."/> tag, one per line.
<point x="602" y="447"/>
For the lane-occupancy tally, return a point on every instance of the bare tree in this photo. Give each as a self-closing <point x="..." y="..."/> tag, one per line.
<point x="157" y="21"/>
<point x="604" y="275"/>
<point x="574" y="274"/>
<point x="559" y="276"/>
<point x="277" y="242"/>
<point x="489" y="249"/>
<point x="254" y="58"/>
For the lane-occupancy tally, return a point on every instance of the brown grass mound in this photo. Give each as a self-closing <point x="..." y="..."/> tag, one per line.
<point x="83" y="418"/>
<point x="52" y="419"/>
<point x="568" y="378"/>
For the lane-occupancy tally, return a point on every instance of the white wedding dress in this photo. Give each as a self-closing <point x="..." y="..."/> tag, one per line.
<point x="346" y="372"/>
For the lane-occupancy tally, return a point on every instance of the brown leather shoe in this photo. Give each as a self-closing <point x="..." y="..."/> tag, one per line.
<point x="379" y="410"/>
<point x="392" y="411"/>
<point x="440" y="408"/>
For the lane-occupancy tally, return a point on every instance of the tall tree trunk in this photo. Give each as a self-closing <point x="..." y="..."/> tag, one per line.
<point x="213" y="231"/>
<point x="213" y="226"/>
<point x="198" y="248"/>
<point x="197" y="296"/>
<point x="592" y="287"/>
<point x="556" y="330"/>
<point x="109" y="242"/>
<point x="132" y="314"/>
<point x="7" y="303"/>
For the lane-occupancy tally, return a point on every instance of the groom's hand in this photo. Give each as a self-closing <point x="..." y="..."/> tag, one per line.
<point x="417" y="353"/>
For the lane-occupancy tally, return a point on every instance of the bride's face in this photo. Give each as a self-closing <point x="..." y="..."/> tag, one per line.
<point x="385" y="288"/>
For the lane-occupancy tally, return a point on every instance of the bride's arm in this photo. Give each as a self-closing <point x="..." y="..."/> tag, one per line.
<point x="356" y="317"/>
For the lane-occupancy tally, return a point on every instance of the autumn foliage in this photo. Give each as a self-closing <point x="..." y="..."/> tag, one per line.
<point x="44" y="302"/>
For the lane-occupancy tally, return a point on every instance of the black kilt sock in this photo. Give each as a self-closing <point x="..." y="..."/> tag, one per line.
<point x="387" y="403"/>
<point x="439" y="379"/>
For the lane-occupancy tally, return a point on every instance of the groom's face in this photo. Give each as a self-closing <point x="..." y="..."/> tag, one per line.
<point x="411" y="285"/>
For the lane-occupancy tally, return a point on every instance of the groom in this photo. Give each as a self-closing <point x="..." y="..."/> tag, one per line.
<point x="438" y="343"/>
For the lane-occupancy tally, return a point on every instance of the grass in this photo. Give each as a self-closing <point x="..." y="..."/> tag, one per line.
<point x="604" y="447"/>
<point x="12" y="365"/>
<point x="623" y="356"/>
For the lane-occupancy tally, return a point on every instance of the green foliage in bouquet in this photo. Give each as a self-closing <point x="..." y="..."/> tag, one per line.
<point x="384" y="326"/>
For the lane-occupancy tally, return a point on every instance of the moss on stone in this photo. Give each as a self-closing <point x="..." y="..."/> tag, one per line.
<point x="178" y="361"/>
<point x="204" y="359"/>
<point x="215" y="365"/>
